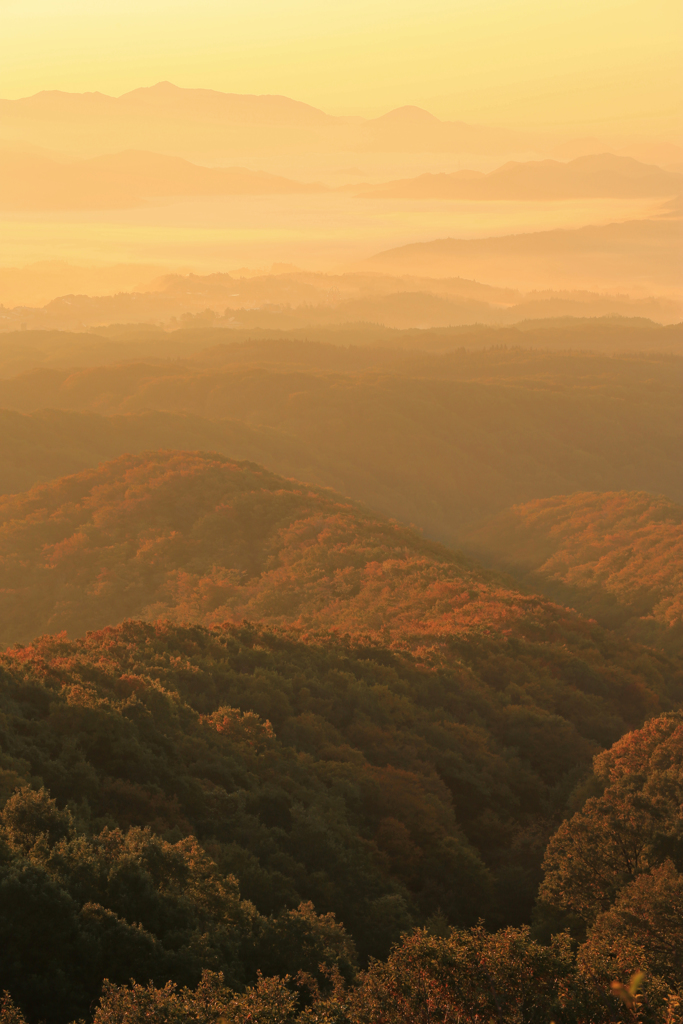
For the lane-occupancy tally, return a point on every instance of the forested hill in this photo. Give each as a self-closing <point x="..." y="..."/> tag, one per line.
<point x="197" y="537"/>
<point x="615" y="556"/>
<point x="394" y="742"/>
<point x="332" y="771"/>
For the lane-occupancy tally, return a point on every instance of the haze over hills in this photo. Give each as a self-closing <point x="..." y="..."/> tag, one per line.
<point x="596" y="175"/>
<point x="636" y="254"/>
<point x="163" y="175"/>
<point x="193" y="120"/>
<point x="39" y="283"/>
<point x="31" y="174"/>
<point x="441" y="440"/>
<point x="344" y="347"/>
<point x="411" y="129"/>
<point x="294" y="299"/>
<point x="51" y="443"/>
<point x="341" y="513"/>
<point x="30" y="182"/>
<point x="26" y="293"/>
<point x="340" y="347"/>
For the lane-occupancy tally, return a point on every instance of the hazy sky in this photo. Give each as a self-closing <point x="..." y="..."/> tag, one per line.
<point x="583" y="65"/>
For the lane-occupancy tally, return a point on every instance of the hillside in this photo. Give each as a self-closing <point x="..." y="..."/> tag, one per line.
<point x="394" y="743"/>
<point x="328" y="771"/>
<point x="401" y="757"/>
<point x="198" y="537"/>
<point x="355" y="794"/>
<point x="439" y="440"/>
<point x="617" y="557"/>
<point x="497" y="732"/>
<point x="603" y="175"/>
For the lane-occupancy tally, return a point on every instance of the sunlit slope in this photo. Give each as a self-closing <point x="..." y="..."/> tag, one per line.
<point x="200" y="538"/>
<point x="616" y="556"/>
<point x="405" y="439"/>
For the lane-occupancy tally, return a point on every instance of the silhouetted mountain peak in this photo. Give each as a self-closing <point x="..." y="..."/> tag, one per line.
<point x="408" y="115"/>
<point x="170" y="99"/>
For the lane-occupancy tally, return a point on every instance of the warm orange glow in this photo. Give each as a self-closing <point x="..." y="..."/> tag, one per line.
<point x="212" y="137"/>
<point x="589" y="66"/>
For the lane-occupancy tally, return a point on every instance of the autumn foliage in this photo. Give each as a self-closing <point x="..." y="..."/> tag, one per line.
<point x="340" y="811"/>
<point x="233" y="801"/>
<point x="617" y="557"/>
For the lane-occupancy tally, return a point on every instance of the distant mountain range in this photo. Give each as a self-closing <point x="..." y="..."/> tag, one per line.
<point x="411" y="129"/>
<point x="636" y="253"/>
<point x="601" y="175"/>
<point x="206" y="124"/>
<point x="33" y="182"/>
<point x="165" y="99"/>
<point x="191" y="120"/>
<point x="305" y="300"/>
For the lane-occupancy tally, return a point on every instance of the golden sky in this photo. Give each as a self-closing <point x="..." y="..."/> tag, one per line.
<point x="609" y="67"/>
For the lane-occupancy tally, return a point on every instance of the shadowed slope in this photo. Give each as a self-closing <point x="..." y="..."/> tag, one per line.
<point x="50" y="444"/>
<point x="440" y="441"/>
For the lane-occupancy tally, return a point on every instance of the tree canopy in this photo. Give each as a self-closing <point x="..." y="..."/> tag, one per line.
<point x="615" y="556"/>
